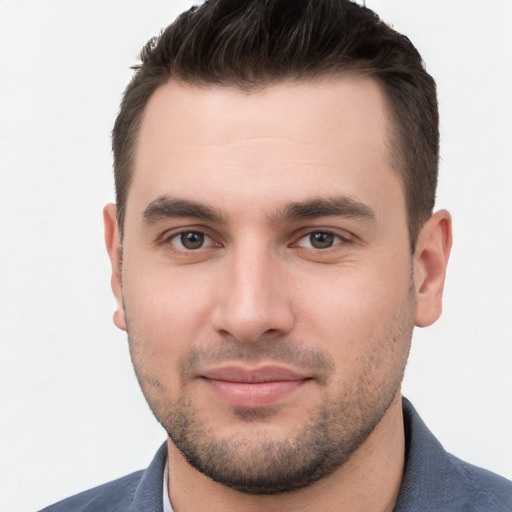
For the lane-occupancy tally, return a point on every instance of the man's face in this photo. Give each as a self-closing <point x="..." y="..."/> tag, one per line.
<point x="267" y="283"/>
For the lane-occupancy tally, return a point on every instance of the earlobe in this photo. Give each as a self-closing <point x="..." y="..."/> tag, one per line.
<point x="113" y="244"/>
<point x="430" y="262"/>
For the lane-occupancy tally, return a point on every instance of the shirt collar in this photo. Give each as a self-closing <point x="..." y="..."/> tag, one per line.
<point x="167" y="500"/>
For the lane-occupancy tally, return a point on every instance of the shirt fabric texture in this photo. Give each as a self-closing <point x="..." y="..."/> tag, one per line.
<point x="434" y="481"/>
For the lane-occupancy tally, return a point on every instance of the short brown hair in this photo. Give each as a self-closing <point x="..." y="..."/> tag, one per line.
<point x="253" y="43"/>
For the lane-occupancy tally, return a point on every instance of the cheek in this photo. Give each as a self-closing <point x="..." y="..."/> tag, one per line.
<point x="166" y="315"/>
<point x="358" y="313"/>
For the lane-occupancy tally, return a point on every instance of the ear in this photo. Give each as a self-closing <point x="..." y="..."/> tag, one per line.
<point x="430" y="261"/>
<point x="113" y="243"/>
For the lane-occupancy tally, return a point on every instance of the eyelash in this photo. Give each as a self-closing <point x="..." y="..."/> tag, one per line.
<point x="335" y="238"/>
<point x="169" y="240"/>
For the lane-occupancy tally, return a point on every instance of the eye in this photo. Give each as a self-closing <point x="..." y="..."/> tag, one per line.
<point x="319" y="240"/>
<point x="190" y="240"/>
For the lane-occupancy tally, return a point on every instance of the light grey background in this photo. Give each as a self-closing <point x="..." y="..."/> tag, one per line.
<point x="72" y="415"/>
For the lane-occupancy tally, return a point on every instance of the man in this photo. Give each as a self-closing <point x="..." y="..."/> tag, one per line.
<point x="272" y="247"/>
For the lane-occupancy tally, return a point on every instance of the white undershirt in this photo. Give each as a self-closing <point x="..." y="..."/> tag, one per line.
<point x="166" y="499"/>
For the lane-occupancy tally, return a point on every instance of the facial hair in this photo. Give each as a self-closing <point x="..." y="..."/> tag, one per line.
<point x="264" y="464"/>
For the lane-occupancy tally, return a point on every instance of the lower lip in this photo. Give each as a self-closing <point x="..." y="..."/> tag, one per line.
<point x="254" y="394"/>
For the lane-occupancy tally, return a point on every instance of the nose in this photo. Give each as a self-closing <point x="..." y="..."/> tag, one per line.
<point x="253" y="300"/>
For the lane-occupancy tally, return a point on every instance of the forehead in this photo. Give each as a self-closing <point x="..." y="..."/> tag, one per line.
<point x="281" y="139"/>
<point x="189" y="112"/>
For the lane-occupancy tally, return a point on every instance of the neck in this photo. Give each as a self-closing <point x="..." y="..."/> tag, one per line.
<point x="369" y="480"/>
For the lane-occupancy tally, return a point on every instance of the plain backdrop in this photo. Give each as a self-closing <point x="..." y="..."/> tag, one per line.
<point x="71" y="413"/>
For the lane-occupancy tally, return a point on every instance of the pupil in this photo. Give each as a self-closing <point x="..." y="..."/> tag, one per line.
<point x="192" y="240"/>
<point x="321" y="240"/>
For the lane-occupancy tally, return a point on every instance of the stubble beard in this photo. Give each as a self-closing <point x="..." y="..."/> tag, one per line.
<point x="266" y="465"/>
<point x="263" y="465"/>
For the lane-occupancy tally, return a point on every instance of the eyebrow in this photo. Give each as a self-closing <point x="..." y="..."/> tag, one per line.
<point x="339" y="206"/>
<point x="166" y="207"/>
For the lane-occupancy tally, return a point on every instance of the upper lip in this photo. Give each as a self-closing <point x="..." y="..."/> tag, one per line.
<point x="233" y="373"/>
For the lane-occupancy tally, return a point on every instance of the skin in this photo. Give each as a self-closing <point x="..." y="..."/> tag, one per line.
<point x="259" y="293"/>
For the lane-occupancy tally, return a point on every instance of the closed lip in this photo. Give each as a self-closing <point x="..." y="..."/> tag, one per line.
<point x="245" y="387"/>
<point x="257" y="375"/>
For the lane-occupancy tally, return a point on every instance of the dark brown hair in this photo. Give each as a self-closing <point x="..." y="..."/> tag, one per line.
<point x="253" y="43"/>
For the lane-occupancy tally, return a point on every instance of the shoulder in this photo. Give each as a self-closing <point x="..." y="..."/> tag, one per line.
<point x="482" y="490"/>
<point x="139" y="491"/>
<point x="113" y="496"/>
<point x="437" y="481"/>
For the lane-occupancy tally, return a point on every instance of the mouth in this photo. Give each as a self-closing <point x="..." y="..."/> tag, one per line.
<point x="253" y="387"/>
